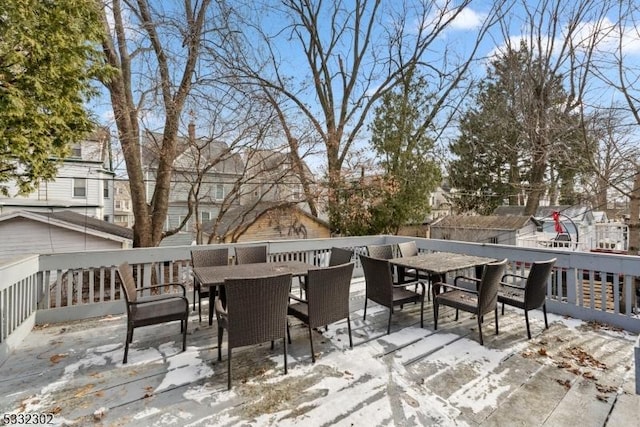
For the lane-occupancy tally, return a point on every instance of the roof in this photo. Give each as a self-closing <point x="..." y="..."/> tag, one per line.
<point x="74" y="220"/>
<point x="238" y="216"/>
<point x="578" y="212"/>
<point x="482" y="222"/>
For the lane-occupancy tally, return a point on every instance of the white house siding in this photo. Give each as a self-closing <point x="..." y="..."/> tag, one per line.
<point x="22" y="236"/>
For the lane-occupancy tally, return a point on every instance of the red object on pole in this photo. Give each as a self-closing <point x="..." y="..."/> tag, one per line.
<point x="558" y="224"/>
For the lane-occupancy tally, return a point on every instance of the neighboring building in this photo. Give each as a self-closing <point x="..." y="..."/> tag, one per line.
<point x="122" y="206"/>
<point x="583" y="228"/>
<point x="209" y="164"/>
<point x="270" y="177"/>
<point x="84" y="183"/>
<point x="267" y="221"/>
<point x="439" y="201"/>
<point x="25" y="232"/>
<point x="483" y="229"/>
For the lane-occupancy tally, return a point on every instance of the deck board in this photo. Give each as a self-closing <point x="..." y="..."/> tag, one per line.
<point x="414" y="376"/>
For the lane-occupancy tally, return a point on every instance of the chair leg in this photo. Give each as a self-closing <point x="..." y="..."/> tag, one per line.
<point x="199" y="308"/>
<point x="422" y="312"/>
<point x="389" y="324"/>
<point x="349" y="328"/>
<point x="480" y="329"/>
<point x="285" y="356"/>
<point x="272" y="345"/>
<point x="229" y="368"/>
<point x="212" y="296"/>
<point x="435" y="313"/>
<point x="184" y="334"/>
<point x="503" y="309"/>
<point x="457" y="312"/>
<point x="194" y="297"/>
<point x="220" y="332"/>
<point x="288" y="333"/>
<point x="365" y="309"/>
<point x="526" y="318"/>
<point x="496" y="314"/>
<point x="313" y="355"/>
<point x="126" y="345"/>
<point x="544" y="310"/>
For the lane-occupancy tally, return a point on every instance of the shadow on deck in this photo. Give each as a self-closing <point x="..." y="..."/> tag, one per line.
<point x="571" y="374"/>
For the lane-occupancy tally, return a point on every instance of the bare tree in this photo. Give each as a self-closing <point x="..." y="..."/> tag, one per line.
<point x="327" y="64"/>
<point x="155" y="51"/>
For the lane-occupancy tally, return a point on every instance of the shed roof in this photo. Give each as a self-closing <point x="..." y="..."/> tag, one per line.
<point x="482" y="222"/>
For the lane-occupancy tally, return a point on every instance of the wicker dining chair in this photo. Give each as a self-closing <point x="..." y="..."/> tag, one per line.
<point x="381" y="289"/>
<point x="327" y="300"/>
<point x="151" y="309"/>
<point x="380" y="251"/>
<point x="255" y="312"/>
<point x="480" y="301"/>
<point x="340" y="256"/>
<point x="209" y="257"/>
<point x="251" y="254"/>
<point x="411" y="275"/>
<point x="531" y="291"/>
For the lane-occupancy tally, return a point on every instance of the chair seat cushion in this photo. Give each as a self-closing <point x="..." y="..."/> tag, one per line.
<point x="160" y="310"/>
<point x="300" y="311"/>
<point x="511" y="297"/>
<point x="459" y="299"/>
<point x="402" y="295"/>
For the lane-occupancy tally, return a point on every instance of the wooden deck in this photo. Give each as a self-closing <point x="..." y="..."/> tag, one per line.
<point x="571" y="374"/>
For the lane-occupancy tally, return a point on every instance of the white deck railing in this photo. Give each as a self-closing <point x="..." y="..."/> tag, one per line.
<point x="70" y="286"/>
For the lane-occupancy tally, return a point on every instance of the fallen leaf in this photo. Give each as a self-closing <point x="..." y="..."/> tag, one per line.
<point x="602" y="398"/>
<point x="589" y="375"/>
<point x="542" y="351"/>
<point x="57" y="358"/>
<point x="565" y="383"/>
<point x="83" y="390"/>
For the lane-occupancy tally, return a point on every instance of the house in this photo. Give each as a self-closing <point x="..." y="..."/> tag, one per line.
<point x="483" y="229"/>
<point x="122" y="205"/>
<point x="208" y="167"/>
<point x="29" y="232"/>
<point x="271" y="176"/>
<point x="83" y="184"/>
<point x="267" y="221"/>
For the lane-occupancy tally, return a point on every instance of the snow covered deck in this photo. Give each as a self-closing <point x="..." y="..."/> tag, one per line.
<point x="574" y="373"/>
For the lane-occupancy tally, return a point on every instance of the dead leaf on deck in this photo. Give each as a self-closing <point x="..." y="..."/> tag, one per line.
<point x="565" y="383"/>
<point x="605" y="388"/>
<point x="82" y="391"/>
<point x="602" y="398"/>
<point x="542" y="351"/>
<point x="563" y="364"/>
<point x="55" y="410"/>
<point x="57" y="358"/>
<point x="589" y="376"/>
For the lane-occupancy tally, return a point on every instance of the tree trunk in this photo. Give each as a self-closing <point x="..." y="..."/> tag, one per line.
<point x="634" y="215"/>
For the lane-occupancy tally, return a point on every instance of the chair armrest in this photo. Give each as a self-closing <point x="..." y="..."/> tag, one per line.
<point x="467" y="278"/>
<point x="184" y="291"/>
<point x="220" y="309"/>
<point x="517" y="276"/>
<point x="459" y="288"/>
<point x="511" y="285"/>
<point x="292" y="296"/>
<point x="405" y="284"/>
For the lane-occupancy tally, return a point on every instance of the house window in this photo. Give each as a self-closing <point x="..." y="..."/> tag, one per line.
<point x="205" y="216"/>
<point x="106" y="218"/>
<point x="219" y="192"/>
<point x="493" y="240"/>
<point x="76" y="150"/>
<point x="105" y="190"/>
<point x="80" y="187"/>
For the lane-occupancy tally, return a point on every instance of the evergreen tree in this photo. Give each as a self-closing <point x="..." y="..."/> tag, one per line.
<point x="48" y="56"/>
<point x="400" y="138"/>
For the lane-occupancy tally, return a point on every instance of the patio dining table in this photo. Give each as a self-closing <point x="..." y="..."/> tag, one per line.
<point x="215" y="276"/>
<point x="438" y="264"/>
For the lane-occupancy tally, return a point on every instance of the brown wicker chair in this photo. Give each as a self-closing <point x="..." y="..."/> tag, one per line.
<point x="480" y="301"/>
<point x="251" y="254"/>
<point x="531" y="291"/>
<point x="206" y="258"/>
<point x="340" y="256"/>
<point x="411" y="275"/>
<point x="152" y="309"/>
<point x="255" y="312"/>
<point x="380" y="251"/>
<point x="327" y="300"/>
<point x="381" y="289"/>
